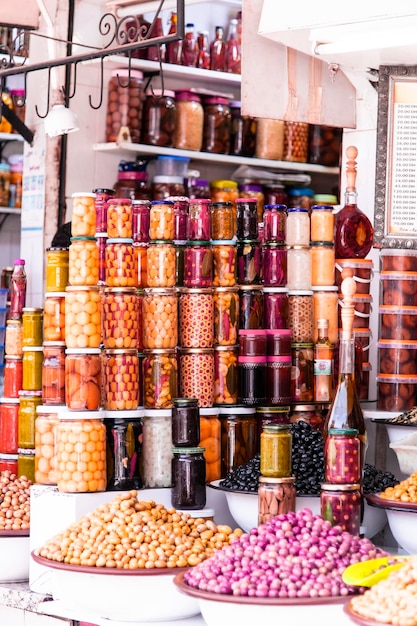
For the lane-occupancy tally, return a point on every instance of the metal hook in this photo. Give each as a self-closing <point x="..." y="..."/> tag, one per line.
<point x="71" y="95"/>
<point x="47" y="102"/>
<point x="129" y="69"/>
<point x="101" y="87"/>
<point x="161" y="71"/>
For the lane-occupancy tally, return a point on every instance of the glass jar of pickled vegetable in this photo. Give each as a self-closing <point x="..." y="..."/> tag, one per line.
<point x="32" y="324"/>
<point x="274" y="265"/>
<point x="119" y="218"/>
<point x="120" y="314"/>
<point x="9" y="415"/>
<point x="298" y="227"/>
<point x="226" y="374"/>
<point x="14" y="338"/>
<point x="278" y="379"/>
<point x="32" y="368"/>
<point x="13" y="376"/>
<point x="160" y="378"/>
<point x="121" y="379"/>
<point x="82" y="331"/>
<point x="246" y="218"/>
<point x="275" y="451"/>
<point x="188" y="489"/>
<point x="56" y="269"/>
<point x="249" y="262"/>
<point x="198" y="264"/>
<point x="276" y="496"/>
<point x="160" y="264"/>
<point x="28" y="402"/>
<point x="196" y="367"/>
<point x="160" y="318"/>
<point x="81" y="452"/>
<point x="140" y="221"/>
<point x="238" y="436"/>
<point x="161" y="220"/>
<point x="275" y="221"/>
<point x="199" y="220"/>
<point x="226" y="315"/>
<point x="83" y="261"/>
<point x="124" y="449"/>
<point x="102" y="196"/>
<point x="53" y="373"/>
<point x="121" y="268"/>
<point x="342" y="456"/>
<point x="47" y="418"/>
<point x="210" y="441"/>
<point x="250" y="306"/>
<point x="341" y="505"/>
<point x="185" y="422"/>
<point x="54" y="316"/>
<point x="196" y="318"/>
<point x="222" y="220"/>
<point x="224" y="262"/>
<point x="275" y="308"/>
<point x="83" y="379"/>
<point x="26" y="463"/>
<point x="157" y="448"/>
<point x="302" y="374"/>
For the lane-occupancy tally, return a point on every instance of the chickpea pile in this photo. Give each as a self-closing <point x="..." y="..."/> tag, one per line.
<point x="14" y="501"/>
<point x="128" y="533"/>
<point x="405" y="491"/>
<point x="393" y="600"/>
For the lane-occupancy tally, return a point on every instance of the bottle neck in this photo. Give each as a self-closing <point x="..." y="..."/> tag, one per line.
<point x="346" y="357"/>
<point x="351" y="196"/>
<point x="322" y="334"/>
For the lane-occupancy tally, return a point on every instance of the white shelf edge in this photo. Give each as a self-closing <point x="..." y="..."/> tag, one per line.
<point x="138" y="148"/>
<point x="148" y="6"/>
<point x="10" y="210"/>
<point x="10" y="137"/>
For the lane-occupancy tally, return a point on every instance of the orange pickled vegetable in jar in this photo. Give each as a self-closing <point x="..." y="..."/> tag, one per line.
<point x="140" y="252"/>
<point x="54" y="316"/>
<point x="161" y="224"/>
<point x="13" y="376"/>
<point x="14" y="338"/>
<point x="121" y="380"/>
<point x="322" y="263"/>
<point x="47" y="418"/>
<point x="83" y="217"/>
<point x="160" y="375"/>
<point x="53" y="373"/>
<point x="119" y="218"/>
<point x="82" y="317"/>
<point x="28" y="401"/>
<point x="9" y="416"/>
<point x="81" y="452"/>
<point x="210" y="436"/>
<point x="56" y="269"/>
<point x="121" y="268"/>
<point x="83" y="261"/>
<point x="32" y="368"/>
<point x="120" y="314"/>
<point x="83" y="379"/>
<point x="160" y="318"/>
<point x="322" y="223"/>
<point x="325" y="306"/>
<point x="32" y="323"/>
<point x="160" y="264"/>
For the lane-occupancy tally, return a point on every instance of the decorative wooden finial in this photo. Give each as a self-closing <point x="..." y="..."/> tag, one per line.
<point x="348" y="289"/>
<point x="351" y="154"/>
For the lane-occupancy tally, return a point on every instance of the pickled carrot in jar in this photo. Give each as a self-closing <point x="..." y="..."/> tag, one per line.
<point x="322" y="223"/>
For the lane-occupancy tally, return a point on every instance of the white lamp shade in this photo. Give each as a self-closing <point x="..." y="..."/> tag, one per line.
<point x="60" y="121"/>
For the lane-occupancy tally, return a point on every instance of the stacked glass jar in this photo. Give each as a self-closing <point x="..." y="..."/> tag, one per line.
<point x="341" y="496"/>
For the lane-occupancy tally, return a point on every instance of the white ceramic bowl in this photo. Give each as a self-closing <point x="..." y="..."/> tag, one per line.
<point x="396" y="432"/>
<point x="374" y="520"/>
<point x="406" y="451"/>
<point x="402" y="520"/>
<point x="14" y="556"/>
<point x="218" y="610"/>
<point x="121" y="595"/>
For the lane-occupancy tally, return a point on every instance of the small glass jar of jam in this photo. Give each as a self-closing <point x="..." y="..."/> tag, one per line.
<point x="210" y="441"/>
<point x="276" y="496"/>
<point x="180" y="217"/>
<point x="13" y="376"/>
<point x="302" y="375"/>
<point x="81" y="452"/>
<point x="252" y="342"/>
<point x="249" y="262"/>
<point x="160" y="318"/>
<point x="278" y="379"/>
<point x="121" y="268"/>
<point x="83" y="216"/>
<point x="197" y="375"/>
<point x="199" y="220"/>
<point x="47" y="418"/>
<point x="225" y="374"/>
<point x="224" y="262"/>
<point x="160" y="378"/>
<point x="121" y="379"/>
<point x="196" y="318"/>
<point x="198" y="264"/>
<point x="161" y="226"/>
<point x="341" y="505"/>
<point x="275" y="451"/>
<point x="82" y="331"/>
<point x="217" y="125"/>
<point x="188" y="489"/>
<point x="120" y="314"/>
<point x="32" y="368"/>
<point x="53" y="373"/>
<point x="275" y="220"/>
<point x="119" y="218"/>
<point x="300" y="315"/>
<point x="322" y="263"/>
<point x="159" y="118"/>
<point x="252" y="380"/>
<point x="226" y="315"/>
<point x="124" y="449"/>
<point x="238" y="436"/>
<point x="83" y="261"/>
<point x="298" y="227"/>
<point x="342" y="456"/>
<point x="83" y="380"/>
<point x="28" y="403"/>
<point x="185" y="422"/>
<point x="246" y="218"/>
<point x="274" y="265"/>
<point x="250" y="306"/>
<point x="9" y="417"/>
<point x="299" y="268"/>
<point x="140" y="221"/>
<point x="102" y="196"/>
<point x="32" y="323"/>
<point x="278" y="341"/>
<point x="322" y="223"/>
<point x="275" y="307"/>
<point x="56" y="269"/>
<point x="54" y="316"/>
<point x="157" y="448"/>
<point x="222" y="220"/>
<point x="160" y="264"/>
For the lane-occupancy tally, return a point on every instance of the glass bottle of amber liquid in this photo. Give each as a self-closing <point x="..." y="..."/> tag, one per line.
<point x="345" y="410"/>
<point x="323" y="364"/>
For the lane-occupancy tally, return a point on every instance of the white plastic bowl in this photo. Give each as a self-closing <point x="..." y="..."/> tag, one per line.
<point x="406" y="451"/>
<point x="403" y="526"/>
<point x="14" y="556"/>
<point x="121" y="595"/>
<point x="398" y="431"/>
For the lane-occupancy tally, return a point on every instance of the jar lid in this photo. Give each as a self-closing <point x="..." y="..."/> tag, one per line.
<point x="113" y="201"/>
<point x="150" y="351"/>
<point x="196" y="290"/>
<point x="157" y="413"/>
<point x="209" y="411"/>
<point x="181" y="402"/>
<point x="188" y="450"/>
<point x="127" y="351"/>
<point x="82" y="288"/>
<point x="277" y="481"/>
<point x="102" y="190"/>
<point x="8" y="457"/>
<point x="325" y="199"/>
<point x="51" y="408"/>
<point x="56" y="249"/>
<point x="82" y="351"/>
<point x="9" y="400"/>
<point x="359" y="263"/>
<point x="55" y="294"/>
<point x="275" y="290"/>
<point x="186" y="95"/>
<point x="325" y="288"/>
<point x="4" y="167"/>
<point x="224" y="184"/>
<point x="32" y="348"/>
<point x="200" y="201"/>
<point x="333" y="487"/>
<point x="251" y="332"/>
<point x="250" y="187"/>
<point x="297" y="210"/>
<point x="167" y="202"/>
<point x="12" y="357"/>
<point x="250" y="287"/>
<point x="179" y="180"/>
<point x="232" y="289"/>
<point x="234" y="410"/>
<point x="130" y="414"/>
<point x="73" y="416"/>
<point x="273" y="409"/>
<point x="137" y="202"/>
<point x="159" y="242"/>
<point x="304" y="407"/>
<point x="117" y="240"/>
<point x="215" y="100"/>
<point x="279" y="332"/>
<point x="301" y="191"/>
<point x="343" y="431"/>
<point x="302" y="344"/>
<point x="53" y="344"/>
<point x="226" y="204"/>
<point x="235" y="104"/>
<point x="128" y="290"/>
<point x="28" y="452"/>
<point x="32" y="310"/>
<point x="160" y="291"/>
<point x="231" y="348"/>
<point x="244" y="200"/>
<point x="193" y="351"/>
<point x="396" y="344"/>
<point x="23" y="393"/>
<point x="83" y="194"/>
<point x="197" y="244"/>
<point x="223" y="242"/>
<point x="277" y="207"/>
<point x="276" y="427"/>
<point x="321" y="207"/>
<point x="321" y="244"/>
<point x="301" y="292"/>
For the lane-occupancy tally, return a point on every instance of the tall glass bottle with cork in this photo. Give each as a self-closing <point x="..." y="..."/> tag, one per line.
<point x="18" y="289"/>
<point x="345" y="411"/>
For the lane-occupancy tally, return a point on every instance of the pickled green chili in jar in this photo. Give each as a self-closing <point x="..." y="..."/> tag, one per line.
<point x="275" y="451"/>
